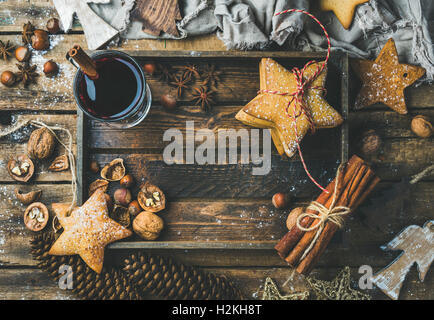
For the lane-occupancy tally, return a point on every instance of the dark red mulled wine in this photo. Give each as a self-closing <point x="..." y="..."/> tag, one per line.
<point x="116" y="93"/>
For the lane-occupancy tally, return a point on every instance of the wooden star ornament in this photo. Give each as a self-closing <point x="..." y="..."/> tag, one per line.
<point x="344" y="10"/>
<point x="269" y="111"/>
<point x="87" y="230"/>
<point x="385" y="79"/>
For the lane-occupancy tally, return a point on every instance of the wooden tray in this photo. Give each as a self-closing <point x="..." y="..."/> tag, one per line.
<point x="216" y="206"/>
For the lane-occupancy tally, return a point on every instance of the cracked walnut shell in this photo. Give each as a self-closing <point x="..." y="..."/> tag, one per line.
<point x="61" y="163"/>
<point x="151" y="198"/>
<point x="21" y="168"/>
<point x="36" y="216"/>
<point x="41" y="144"/>
<point x="29" y="197"/>
<point x="114" y="171"/>
<point x="98" y="184"/>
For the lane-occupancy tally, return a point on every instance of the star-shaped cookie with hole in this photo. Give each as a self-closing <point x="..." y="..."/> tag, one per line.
<point x="271" y="111"/>
<point x="344" y="10"/>
<point x="87" y="230"/>
<point x="385" y="79"/>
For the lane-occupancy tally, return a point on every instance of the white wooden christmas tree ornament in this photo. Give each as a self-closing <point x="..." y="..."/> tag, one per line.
<point x="417" y="245"/>
<point x="96" y="30"/>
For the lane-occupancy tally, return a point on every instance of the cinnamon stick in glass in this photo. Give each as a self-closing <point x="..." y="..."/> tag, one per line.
<point x="86" y="64"/>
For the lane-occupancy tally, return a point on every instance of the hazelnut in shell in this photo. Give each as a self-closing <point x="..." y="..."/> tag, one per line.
<point x="36" y="216"/>
<point x="422" y="126"/>
<point x="291" y="221"/>
<point x="94" y="166"/>
<point x="168" y="101"/>
<point x="21" y="168"/>
<point x="41" y="144"/>
<point x="122" y="196"/>
<point x="134" y="208"/>
<point x="53" y="25"/>
<point x="40" y="40"/>
<point x="22" y="53"/>
<point x="151" y="198"/>
<point x="280" y="200"/>
<point x="127" y="181"/>
<point x="29" y="197"/>
<point x="148" y="225"/>
<point x="114" y="171"/>
<point x="149" y="68"/>
<point x="50" y="68"/>
<point x="8" y="78"/>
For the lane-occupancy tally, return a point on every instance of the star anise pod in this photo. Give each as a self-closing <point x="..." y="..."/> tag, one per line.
<point x="165" y="73"/>
<point x="180" y="82"/>
<point x="27" y="73"/>
<point x="190" y="71"/>
<point x="6" y="50"/>
<point x="203" y="96"/>
<point x="210" y="75"/>
<point x="27" y="33"/>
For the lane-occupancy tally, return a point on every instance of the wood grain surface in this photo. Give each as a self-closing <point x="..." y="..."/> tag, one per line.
<point x="225" y="202"/>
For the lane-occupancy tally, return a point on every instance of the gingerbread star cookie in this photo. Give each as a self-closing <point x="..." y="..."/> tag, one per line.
<point x="385" y="79"/>
<point x="268" y="110"/>
<point x="87" y="230"/>
<point x="343" y="9"/>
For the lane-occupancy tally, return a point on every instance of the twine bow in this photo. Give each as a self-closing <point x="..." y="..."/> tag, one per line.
<point x="332" y="214"/>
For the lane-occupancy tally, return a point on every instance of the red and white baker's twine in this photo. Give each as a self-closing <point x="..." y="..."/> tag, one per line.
<point x="302" y="86"/>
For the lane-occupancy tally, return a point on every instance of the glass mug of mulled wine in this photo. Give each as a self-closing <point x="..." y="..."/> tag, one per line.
<point x="110" y="86"/>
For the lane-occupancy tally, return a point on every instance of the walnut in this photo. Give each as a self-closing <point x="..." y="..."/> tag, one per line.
<point x="421" y="126"/>
<point x="151" y="198"/>
<point x="148" y="225"/>
<point x="61" y="163"/>
<point x="36" y="216"/>
<point x="98" y="184"/>
<point x="114" y="171"/>
<point x="21" y="168"/>
<point x="29" y="197"/>
<point x="41" y="144"/>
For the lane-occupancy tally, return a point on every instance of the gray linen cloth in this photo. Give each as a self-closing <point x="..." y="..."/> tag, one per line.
<point x="251" y="24"/>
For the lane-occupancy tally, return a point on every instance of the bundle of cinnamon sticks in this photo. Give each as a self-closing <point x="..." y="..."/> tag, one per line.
<point x="355" y="182"/>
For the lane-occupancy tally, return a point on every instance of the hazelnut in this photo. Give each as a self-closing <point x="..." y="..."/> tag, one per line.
<point x="8" y="78"/>
<point x="51" y="68"/>
<point x="41" y="144"/>
<point x="149" y="68"/>
<point x="53" y="26"/>
<point x="127" y="181"/>
<point x="22" y="53"/>
<point x="148" y="225"/>
<point x="29" y="197"/>
<point x="40" y="40"/>
<point x="370" y="142"/>
<point x="291" y="221"/>
<point x="280" y="200"/>
<point x="168" y="101"/>
<point x="36" y="216"/>
<point x="134" y="208"/>
<point x="122" y="196"/>
<point x="94" y="166"/>
<point x="421" y="126"/>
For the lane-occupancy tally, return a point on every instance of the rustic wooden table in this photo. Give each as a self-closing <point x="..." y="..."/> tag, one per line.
<point x="51" y="101"/>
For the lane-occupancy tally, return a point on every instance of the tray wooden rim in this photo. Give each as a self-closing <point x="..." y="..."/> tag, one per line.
<point x="82" y="151"/>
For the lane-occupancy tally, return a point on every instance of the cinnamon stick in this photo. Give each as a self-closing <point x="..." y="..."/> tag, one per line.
<point x="355" y="198"/>
<point x="291" y="238"/>
<point x="341" y="200"/>
<point x="86" y="64"/>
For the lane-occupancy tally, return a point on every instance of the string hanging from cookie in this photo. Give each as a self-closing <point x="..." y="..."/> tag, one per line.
<point x="302" y="86"/>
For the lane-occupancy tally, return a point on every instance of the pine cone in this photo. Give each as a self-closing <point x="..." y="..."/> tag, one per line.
<point x="110" y="284"/>
<point x="162" y="277"/>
